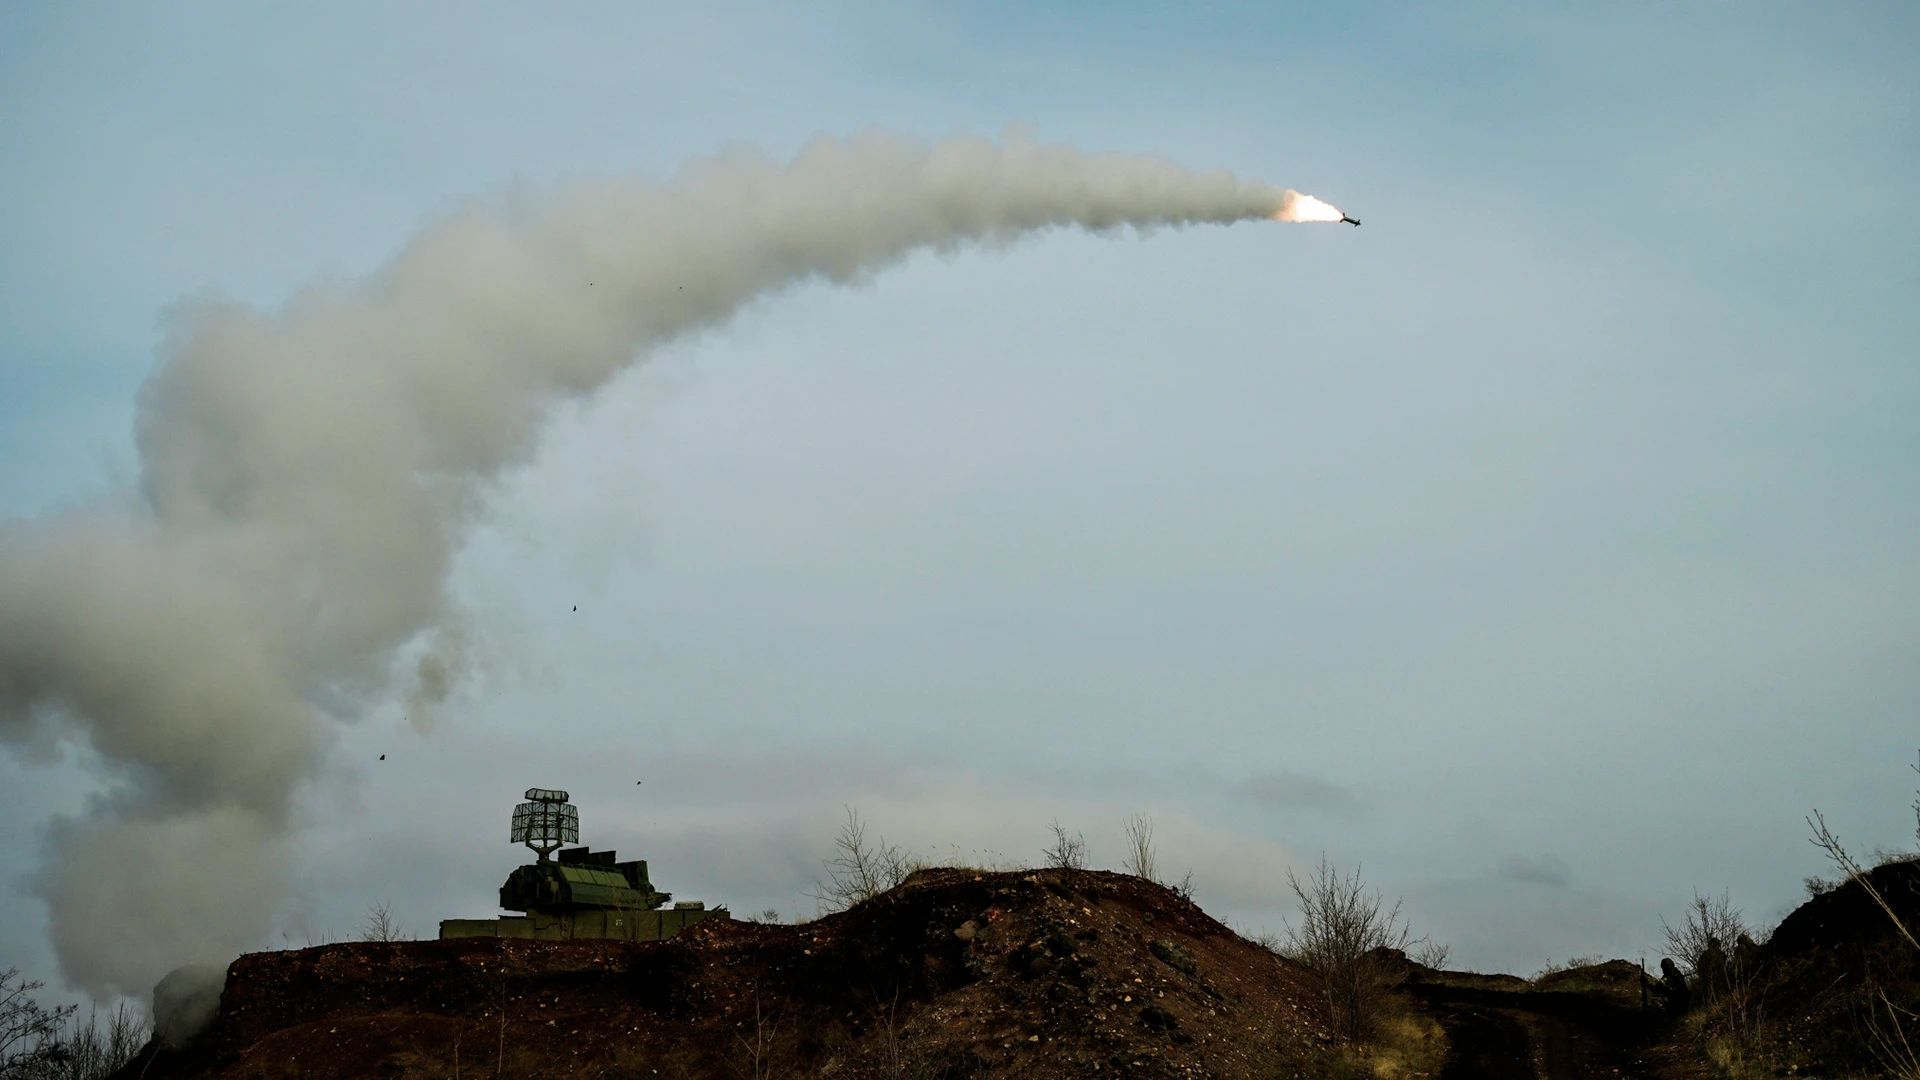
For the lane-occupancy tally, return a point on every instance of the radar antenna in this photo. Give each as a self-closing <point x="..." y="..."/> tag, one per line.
<point x="545" y="821"/>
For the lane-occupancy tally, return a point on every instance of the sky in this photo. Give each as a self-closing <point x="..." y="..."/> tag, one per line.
<point x="1544" y="548"/>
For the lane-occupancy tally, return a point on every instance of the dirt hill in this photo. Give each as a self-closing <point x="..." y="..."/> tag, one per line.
<point x="1836" y="988"/>
<point x="954" y="974"/>
<point x="1043" y="974"/>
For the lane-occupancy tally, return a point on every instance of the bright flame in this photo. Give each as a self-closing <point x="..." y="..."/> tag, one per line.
<point x="1297" y="207"/>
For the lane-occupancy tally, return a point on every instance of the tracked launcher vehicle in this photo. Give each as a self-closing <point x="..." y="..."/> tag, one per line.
<point x="579" y="893"/>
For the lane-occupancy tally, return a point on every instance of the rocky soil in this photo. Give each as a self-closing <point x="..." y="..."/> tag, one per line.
<point x="1041" y="974"/>
<point x="954" y="974"/>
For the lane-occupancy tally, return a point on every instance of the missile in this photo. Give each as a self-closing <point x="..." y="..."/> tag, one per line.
<point x="1355" y="222"/>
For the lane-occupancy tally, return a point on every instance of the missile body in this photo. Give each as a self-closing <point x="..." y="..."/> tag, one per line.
<point x="1355" y="222"/>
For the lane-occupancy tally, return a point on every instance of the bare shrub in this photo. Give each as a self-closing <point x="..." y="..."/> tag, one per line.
<point x="889" y="1057"/>
<point x="757" y="1047"/>
<point x="1430" y="953"/>
<point x="1817" y="886"/>
<point x="1891" y="1028"/>
<point x="1341" y="926"/>
<point x="1184" y="887"/>
<point x="1069" y="852"/>
<point x="1704" y="944"/>
<point x="380" y="925"/>
<point x="861" y="871"/>
<point x="1828" y="841"/>
<point x="96" y="1049"/>
<point x="1572" y="963"/>
<point x="1888" y="1036"/>
<point x="1140" y="860"/>
<point x="29" y="1031"/>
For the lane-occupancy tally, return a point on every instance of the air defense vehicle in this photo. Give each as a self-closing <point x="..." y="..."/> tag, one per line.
<point x="580" y="893"/>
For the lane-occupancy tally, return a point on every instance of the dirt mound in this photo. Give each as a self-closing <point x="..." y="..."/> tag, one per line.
<point x="953" y="974"/>
<point x="1834" y="979"/>
<point x="1846" y="918"/>
<point x="1621" y="982"/>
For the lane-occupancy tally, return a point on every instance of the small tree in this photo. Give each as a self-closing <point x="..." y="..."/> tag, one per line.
<point x="1711" y="922"/>
<point x="1140" y="860"/>
<point x="94" y="1049"/>
<point x="29" y="1031"/>
<point x="1067" y="852"/>
<point x="380" y="925"/>
<point x="1341" y="926"/>
<point x="861" y="871"/>
<point x="1430" y="953"/>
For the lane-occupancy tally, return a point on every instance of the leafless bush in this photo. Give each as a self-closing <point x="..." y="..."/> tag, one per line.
<point x="861" y="871"/>
<point x="1707" y="919"/>
<point x="1704" y="944"/>
<point x="380" y="925"/>
<point x="96" y="1049"/>
<point x="1140" y="860"/>
<point x="1572" y="963"/>
<point x="1341" y="924"/>
<point x="1891" y="1027"/>
<point x="1184" y="887"/>
<point x="1067" y="852"/>
<point x="29" y="1031"/>
<point x="890" y="1055"/>
<point x="1888" y="1028"/>
<point x="757" y="1045"/>
<point x="1431" y="953"/>
<point x="1817" y="886"/>
<point x="1828" y="841"/>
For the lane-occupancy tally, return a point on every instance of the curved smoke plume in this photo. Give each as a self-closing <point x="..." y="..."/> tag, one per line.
<point x="307" y="474"/>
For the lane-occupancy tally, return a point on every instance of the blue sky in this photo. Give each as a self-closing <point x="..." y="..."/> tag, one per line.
<point x="1545" y="546"/>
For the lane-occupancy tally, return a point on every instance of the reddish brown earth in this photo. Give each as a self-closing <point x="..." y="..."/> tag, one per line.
<point x="1043" y="974"/>
<point x="955" y="974"/>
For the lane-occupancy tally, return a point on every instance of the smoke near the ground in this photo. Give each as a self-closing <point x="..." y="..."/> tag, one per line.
<point x="306" y="475"/>
<point x="186" y="1000"/>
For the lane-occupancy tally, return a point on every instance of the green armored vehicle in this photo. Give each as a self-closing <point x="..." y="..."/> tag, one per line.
<point x="580" y="893"/>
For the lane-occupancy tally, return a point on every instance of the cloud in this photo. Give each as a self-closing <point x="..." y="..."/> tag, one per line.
<point x="1544" y="869"/>
<point x="1284" y="790"/>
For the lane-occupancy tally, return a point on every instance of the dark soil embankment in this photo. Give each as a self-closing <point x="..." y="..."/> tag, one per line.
<point x="1836" y="988"/>
<point x="1584" y="1023"/>
<point x="954" y="974"/>
<point x="1043" y="974"/>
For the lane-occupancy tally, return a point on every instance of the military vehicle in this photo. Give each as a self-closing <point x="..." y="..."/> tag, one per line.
<point x="579" y="893"/>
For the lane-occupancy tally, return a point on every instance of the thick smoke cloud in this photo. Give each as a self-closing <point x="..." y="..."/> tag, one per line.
<point x="306" y="475"/>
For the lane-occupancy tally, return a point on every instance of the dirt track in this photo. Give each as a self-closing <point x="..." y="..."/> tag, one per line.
<point x="1534" y="1035"/>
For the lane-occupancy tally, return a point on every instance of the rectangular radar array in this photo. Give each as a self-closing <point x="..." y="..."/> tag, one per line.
<point x="545" y="821"/>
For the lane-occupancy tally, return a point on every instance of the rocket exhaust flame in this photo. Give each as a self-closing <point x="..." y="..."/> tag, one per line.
<point x="306" y="476"/>
<point x="1295" y="207"/>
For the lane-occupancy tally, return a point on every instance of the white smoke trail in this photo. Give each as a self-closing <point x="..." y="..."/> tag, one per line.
<point x="307" y="474"/>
